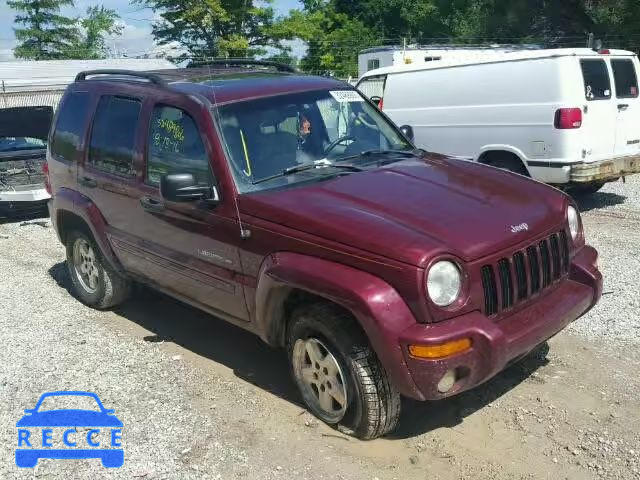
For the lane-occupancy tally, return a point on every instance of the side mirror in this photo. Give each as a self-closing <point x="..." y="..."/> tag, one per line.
<point x="407" y="131"/>
<point x="182" y="187"/>
<point x="377" y="100"/>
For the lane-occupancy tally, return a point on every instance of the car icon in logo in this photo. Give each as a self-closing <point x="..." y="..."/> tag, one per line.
<point x="104" y="429"/>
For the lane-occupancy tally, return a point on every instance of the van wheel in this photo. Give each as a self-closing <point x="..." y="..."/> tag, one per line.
<point x="508" y="162"/>
<point x="339" y="376"/>
<point x="93" y="280"/>
<point x="586" y="188"/>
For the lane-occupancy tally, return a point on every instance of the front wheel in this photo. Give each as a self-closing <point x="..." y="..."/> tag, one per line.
<point x="340" y="378"/>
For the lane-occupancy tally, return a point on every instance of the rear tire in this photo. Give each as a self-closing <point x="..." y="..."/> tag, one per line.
<point x="327" y="350"/>
<point x="586" y="188"/>
<point x="506" y="161"/>
<point x="93" y="280"/>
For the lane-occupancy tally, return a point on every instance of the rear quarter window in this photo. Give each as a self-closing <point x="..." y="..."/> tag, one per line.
<point x="597" y="84"/>
<point x="624" y="75"/>
<point x="373" y="87"/>
<point x="69" y="129"/>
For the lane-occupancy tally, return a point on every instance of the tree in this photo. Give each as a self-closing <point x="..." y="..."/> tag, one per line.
<point x="49" y="36"/>
<point x="97" y="23"/>
<point x="215" y="28"/>
<point x="46" y="33"/>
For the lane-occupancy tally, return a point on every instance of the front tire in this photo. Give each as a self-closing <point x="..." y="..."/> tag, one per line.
<point x="338" y="374"/>
<point x="93" y="280"/>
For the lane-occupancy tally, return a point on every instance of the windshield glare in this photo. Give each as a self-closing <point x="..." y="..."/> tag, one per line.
<point x="14" y="144"/>
<point x="264" y="137"/>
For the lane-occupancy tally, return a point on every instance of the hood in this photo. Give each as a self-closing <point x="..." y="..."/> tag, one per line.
<point x="31" y="122"/>
<point x="69" y="418"/>
<point x="411" y="210"/>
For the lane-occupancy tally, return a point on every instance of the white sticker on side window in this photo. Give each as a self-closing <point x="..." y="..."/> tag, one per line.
<point x="346" y="96"/>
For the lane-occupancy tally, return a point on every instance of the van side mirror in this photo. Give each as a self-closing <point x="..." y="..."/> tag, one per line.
<point x="183" y="187"/>
<point x="407" y="131"/>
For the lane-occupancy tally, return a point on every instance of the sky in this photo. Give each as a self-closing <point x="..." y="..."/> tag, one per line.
<point x="136" y="36"/>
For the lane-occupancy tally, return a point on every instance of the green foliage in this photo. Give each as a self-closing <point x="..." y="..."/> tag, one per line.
<point x="47" y="35"/>
<point x="215" y="28"/>
<point x="97" y="23"/>
<point x="336" y="30"/>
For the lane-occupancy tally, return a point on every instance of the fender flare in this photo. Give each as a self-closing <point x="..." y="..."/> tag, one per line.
<point x="70" y="202"/>
<point x="377" y="306"/>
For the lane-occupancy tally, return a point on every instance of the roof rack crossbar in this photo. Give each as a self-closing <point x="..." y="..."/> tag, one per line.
<point x="239" y="62"/>
<point x="153" y="78"/>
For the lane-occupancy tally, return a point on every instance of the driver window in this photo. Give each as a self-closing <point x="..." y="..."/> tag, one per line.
<point x="175" y="146"/>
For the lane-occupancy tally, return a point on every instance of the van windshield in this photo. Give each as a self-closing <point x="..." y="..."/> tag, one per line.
<point x="265" y="137"/>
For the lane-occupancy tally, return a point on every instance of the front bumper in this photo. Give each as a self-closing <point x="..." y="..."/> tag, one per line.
<point x="605" y="170"/>
<point x="26" y="201"/>
<point x="496" y="344"/>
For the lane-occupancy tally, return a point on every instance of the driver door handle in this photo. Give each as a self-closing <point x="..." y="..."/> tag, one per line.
<point x="151" y="204"/>
<point x="623" y="106"/>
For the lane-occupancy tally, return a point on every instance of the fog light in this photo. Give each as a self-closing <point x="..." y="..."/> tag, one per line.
<point x="440" y="351"/>
<point x="447" y="382"/>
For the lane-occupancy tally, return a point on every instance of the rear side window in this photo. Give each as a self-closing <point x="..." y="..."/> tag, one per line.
<point x="624" y="76"/>
<point x="113" y="135"/>
<point x="69" y="129"/>
<point x="175" y="146"/>
<point x="597" y="85"/>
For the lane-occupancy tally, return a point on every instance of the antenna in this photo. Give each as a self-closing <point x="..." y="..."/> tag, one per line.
<point x="244" y="233"/>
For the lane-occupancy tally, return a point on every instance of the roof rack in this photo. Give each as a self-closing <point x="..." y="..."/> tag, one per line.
<point x="153" y="78"/>
<point x="239" y="62"/>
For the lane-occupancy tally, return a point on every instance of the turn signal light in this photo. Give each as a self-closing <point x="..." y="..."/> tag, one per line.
<point x="440" y="351"/>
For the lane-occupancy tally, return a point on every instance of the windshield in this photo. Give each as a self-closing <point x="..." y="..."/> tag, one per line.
<point x="267" y="136"/>
<point x="14" y="144"/>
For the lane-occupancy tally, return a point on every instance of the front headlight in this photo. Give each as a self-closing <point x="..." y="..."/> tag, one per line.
<point x="574" y="222"/>
<point x="444" y="283"/>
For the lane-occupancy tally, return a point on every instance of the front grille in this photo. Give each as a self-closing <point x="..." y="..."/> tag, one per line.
<point x="525" y="273"/>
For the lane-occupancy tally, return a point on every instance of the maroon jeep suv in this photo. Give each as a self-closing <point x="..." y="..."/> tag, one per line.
<point x="290" y="206"/>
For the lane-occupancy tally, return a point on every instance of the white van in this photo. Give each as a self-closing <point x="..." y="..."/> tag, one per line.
<point x="568" y="117"/>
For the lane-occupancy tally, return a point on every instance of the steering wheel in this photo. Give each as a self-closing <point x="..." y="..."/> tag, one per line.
<point x="337" y="142"/>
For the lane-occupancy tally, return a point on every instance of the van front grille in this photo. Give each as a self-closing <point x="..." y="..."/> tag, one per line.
<point x="525" y="273"/>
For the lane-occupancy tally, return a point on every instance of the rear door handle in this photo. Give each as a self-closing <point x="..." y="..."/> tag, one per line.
<point x="88" y="182"/>
<point x="151" y="204"/>
<point x="623" y="106"/>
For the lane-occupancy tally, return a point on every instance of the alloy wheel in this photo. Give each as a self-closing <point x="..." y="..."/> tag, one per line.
<point x="321" y="380"/>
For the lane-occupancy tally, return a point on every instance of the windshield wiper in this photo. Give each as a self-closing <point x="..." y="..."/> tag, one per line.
<point x="375" y="153"/>
<point x="303" y="167"/>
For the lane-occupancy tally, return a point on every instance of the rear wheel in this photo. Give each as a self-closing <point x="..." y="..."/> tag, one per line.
<point x="506" y="161"/>
<point x="93" y="280"/>
<point x="586" y="188"/>
<point x="340" y="378"/>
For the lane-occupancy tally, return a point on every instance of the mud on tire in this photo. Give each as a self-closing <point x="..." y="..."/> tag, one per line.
<point x="373" y="403"/>
<point x="107" y="288"/>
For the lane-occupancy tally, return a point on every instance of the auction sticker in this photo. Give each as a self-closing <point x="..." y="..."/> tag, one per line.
<point x="346" y="96"/>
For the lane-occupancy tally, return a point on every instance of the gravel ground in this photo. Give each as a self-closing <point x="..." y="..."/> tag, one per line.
<point x="612" y="224"/>
<point x="201" y="399"/>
